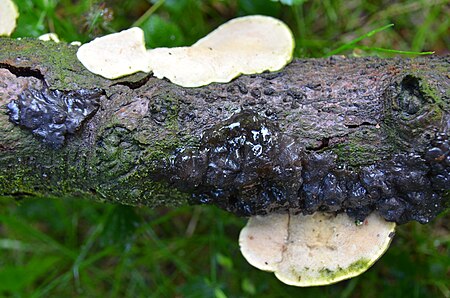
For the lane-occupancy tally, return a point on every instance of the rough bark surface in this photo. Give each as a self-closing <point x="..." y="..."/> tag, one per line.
<point x="339" y="135"/>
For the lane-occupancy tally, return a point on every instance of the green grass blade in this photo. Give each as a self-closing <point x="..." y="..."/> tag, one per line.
<point x="352" y="43"/>
<point x="30" y="232"/>
<point x="383" y="50"/>
<point x="148" y="13"/>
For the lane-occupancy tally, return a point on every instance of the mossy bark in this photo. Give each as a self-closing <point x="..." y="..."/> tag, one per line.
<point x="259" y="143"/>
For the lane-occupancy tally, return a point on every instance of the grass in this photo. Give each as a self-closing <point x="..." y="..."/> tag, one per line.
<point x="67" y="248"/>
<point x="73" y="248"/>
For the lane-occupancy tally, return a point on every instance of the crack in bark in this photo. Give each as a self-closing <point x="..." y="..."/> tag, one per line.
<point x="24" y="71"/>
<point x="324" y="143"/>
<point x="365" y="123"/>
<point x="134" y="85"/>
<point x="288" y="238"/>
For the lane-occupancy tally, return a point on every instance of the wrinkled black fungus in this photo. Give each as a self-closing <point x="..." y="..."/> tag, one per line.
<point x="256" y="93"/>
<point x="247" y="166"/>
<point x="269" y="91"/>
<point x="52" y="114"/>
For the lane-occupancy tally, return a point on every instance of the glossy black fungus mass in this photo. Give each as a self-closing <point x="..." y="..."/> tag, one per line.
<point x="53" y="114"/>
<point x="248" y="167"/>
<point x="245" y="166"/>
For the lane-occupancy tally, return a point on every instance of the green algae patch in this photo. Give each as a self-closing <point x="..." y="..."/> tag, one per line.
<point x="360" y="151"/>
<point x="55" y="62"/>
<point x="326" y="276"/>
<point x="355" y="268"/>
<point x="140" y="188"/>
<point x="356" y="155"/>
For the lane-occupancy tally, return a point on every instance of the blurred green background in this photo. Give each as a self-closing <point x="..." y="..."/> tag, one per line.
<point x="68" y="248"/>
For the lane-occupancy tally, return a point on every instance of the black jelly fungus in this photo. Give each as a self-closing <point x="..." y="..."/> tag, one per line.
<point x="247" y="166"/>
<point x="52" y="114"/>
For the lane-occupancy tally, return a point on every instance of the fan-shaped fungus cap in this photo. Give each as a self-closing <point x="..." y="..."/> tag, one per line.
<point x="313" y="250"/>
<point x="8" y="16"/>
<point x="192" y="67"/>
<point x="115" y="55"/>
<point x="245" y="45"/>
<point x="258" y="43"/>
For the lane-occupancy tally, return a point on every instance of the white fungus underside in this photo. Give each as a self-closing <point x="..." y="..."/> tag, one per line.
<point x="116" y="55"/>
<point x="8" y="16"/>
<point x="318" y="249"/>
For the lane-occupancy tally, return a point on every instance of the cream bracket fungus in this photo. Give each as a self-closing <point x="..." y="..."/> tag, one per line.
<point x="258" y="43"/>
<point x="314" y="250"/>
<point x="8" y="17"/>
<point x="49" y="37"/>
<point x="245" y="45"/>
<point x="116" y="55"/>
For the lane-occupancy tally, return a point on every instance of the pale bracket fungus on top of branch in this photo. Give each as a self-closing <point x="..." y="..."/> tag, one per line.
<point x="115" y="55"/>
<point x="246" y="45"/>
<point x="8" y="17"/>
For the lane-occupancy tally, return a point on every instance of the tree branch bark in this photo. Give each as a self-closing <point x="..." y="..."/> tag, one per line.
<point x="339" y="134"/>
